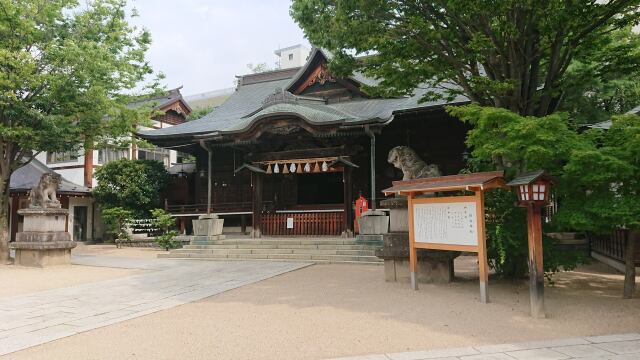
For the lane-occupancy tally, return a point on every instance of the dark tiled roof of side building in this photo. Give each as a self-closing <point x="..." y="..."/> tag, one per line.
<point x="28" y="176"/>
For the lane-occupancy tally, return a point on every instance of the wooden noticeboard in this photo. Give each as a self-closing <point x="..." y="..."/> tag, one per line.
<point x="455" y="223"/>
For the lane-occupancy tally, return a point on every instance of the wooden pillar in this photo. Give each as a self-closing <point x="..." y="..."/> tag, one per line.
<point x="348" y="197"/>
<point x="413" y="252"/>
<point x="536" y="269"/>
<point x="209" y="179"/>
<point x="483" y="266"/>
<point x="257" y="180"/>
<point x="243" y="224"/>
<point x="15" y="203"/>
<point x="629" y="264"/>
<point x="88" y="167"/>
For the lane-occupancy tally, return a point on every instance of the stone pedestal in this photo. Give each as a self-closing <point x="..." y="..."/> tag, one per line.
<point x="43" y="241"/>
<point x="434" y="266"/>
<point x="209" y="226"/>
<point x="373" y="222"/>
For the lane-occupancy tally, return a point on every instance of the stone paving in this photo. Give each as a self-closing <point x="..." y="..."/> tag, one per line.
<point x="37" y="318"/>
<point x="608" y="347"/>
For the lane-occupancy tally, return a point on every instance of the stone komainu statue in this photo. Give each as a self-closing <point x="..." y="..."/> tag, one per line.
<point x="44" y="194"/>
<point x="405" y="159"/>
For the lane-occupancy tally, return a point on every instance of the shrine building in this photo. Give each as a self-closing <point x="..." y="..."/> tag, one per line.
<point x="301" y="143"/>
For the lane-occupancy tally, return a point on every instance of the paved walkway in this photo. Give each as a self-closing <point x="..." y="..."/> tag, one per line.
<point x="608" y="347"/>
<point x="37" y="318"/>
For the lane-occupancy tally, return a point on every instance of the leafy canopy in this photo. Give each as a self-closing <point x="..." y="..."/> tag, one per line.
<point x="63" y="70"/>
<point x="134" y="185"/>
<point x="511" y="54"/>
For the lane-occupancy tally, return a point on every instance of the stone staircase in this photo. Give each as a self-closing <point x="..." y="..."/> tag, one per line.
<point x="317" y="250"/>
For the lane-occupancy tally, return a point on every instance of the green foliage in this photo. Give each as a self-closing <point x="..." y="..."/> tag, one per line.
<point x="199" y="113"/>
<point x="604" y="80"/>
<point x="165" y="222"/>
<point x="64" y="69"/>
<point x="116" y="219"/>
<point x="512" y="54"/>
<point x="134" y="185"/>
<point x="602" y="179"/>
<point x="516" y="144"/>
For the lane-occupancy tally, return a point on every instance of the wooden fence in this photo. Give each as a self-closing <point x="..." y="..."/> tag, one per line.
<point x="614" y="246"/>
<point x="304" y="223"/>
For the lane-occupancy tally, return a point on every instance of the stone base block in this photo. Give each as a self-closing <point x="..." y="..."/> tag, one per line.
<point x="208" y="226"/>
<point x="429" y="271"/>
<point x="42" y="258"/>
<point x="199" y="239"/>
<point x="373" y="222"/>
<point x="369" y="239"/>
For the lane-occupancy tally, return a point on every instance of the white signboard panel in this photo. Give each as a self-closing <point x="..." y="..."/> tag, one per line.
<point x="289" y="223"/>
<point x="453" y="223"/>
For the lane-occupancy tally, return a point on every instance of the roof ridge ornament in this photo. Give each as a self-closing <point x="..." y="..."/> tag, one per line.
<point x="279" y="96"/>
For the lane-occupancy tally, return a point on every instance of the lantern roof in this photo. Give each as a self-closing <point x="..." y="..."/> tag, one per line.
<point x="529" y="178"/>
<point x="471" y="182"/>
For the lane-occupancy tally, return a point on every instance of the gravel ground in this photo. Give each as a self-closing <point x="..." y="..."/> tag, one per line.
<point x="328" y="311"/>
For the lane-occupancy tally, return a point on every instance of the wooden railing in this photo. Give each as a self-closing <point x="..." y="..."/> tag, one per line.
<point x="304" y="223"/>
<point x="614" y="246"/>
<point x="216" y="207"/>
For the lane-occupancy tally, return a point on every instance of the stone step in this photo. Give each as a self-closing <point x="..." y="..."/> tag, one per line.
<point x="278" y="251"/>
<point x="282" y="257"/>
<point x="283" y="246"/>
<point x="291" y="241"/>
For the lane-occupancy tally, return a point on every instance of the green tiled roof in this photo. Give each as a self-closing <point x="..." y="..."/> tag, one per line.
<point x="245" y="106"/>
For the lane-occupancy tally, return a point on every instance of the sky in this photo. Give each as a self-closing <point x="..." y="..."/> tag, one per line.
<point x="203" y="44"/>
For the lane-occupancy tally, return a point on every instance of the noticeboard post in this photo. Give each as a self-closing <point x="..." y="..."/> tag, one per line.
<point x="448" y="222"/>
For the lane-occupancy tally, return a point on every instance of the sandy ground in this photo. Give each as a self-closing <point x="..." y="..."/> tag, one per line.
<point x="17" y="280"/>
<point x="111" y="250"/>
<point x="338" y="310"/>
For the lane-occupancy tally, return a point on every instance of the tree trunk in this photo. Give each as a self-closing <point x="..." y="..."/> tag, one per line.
<point x="630" y="266"/>
<point x="4" y="219"/>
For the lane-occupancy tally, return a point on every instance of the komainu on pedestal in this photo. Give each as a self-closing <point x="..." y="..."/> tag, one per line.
<point x="43" y="240"/>
<point x="435" y="266"/>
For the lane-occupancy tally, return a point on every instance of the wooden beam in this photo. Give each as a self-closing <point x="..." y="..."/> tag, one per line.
<point x="413" y="252"/>
<point x="257" y="181"/>
<point x="483" y="265"/>
<point x="303" y="153"/>
<point x="347" y="191"/>
<point x="536" y="269"/>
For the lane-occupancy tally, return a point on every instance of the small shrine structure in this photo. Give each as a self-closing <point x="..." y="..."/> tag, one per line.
<point x="449" y="219"/>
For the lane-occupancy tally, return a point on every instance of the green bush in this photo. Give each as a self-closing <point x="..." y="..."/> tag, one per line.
<point x="134" y="185"/>
<point x="116" y="219"/>
<point x="165" y="222"/>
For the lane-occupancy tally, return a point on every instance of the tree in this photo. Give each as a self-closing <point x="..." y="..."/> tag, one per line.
<point x="605" y="80"/>
<point x="501" y="139"/>
<point x="258" y="68"/>
<point x="511" y="54"/>
<point x="63" y="69"/>
<point x="134" y="185"/>
<point x="199" y="113"/>
<point x="116" y="219"/>
<point x="602" y="180"/>
<point x="165" y="222"/>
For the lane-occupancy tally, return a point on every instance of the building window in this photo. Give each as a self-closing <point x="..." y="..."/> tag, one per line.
<point x="59" y="157"/>
<point x="290" y="56"/>
<point x="111" y="154"/>
<point x="157" y="154"/>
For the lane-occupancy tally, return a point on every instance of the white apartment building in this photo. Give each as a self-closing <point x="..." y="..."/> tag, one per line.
<point x="292" y="56"/>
